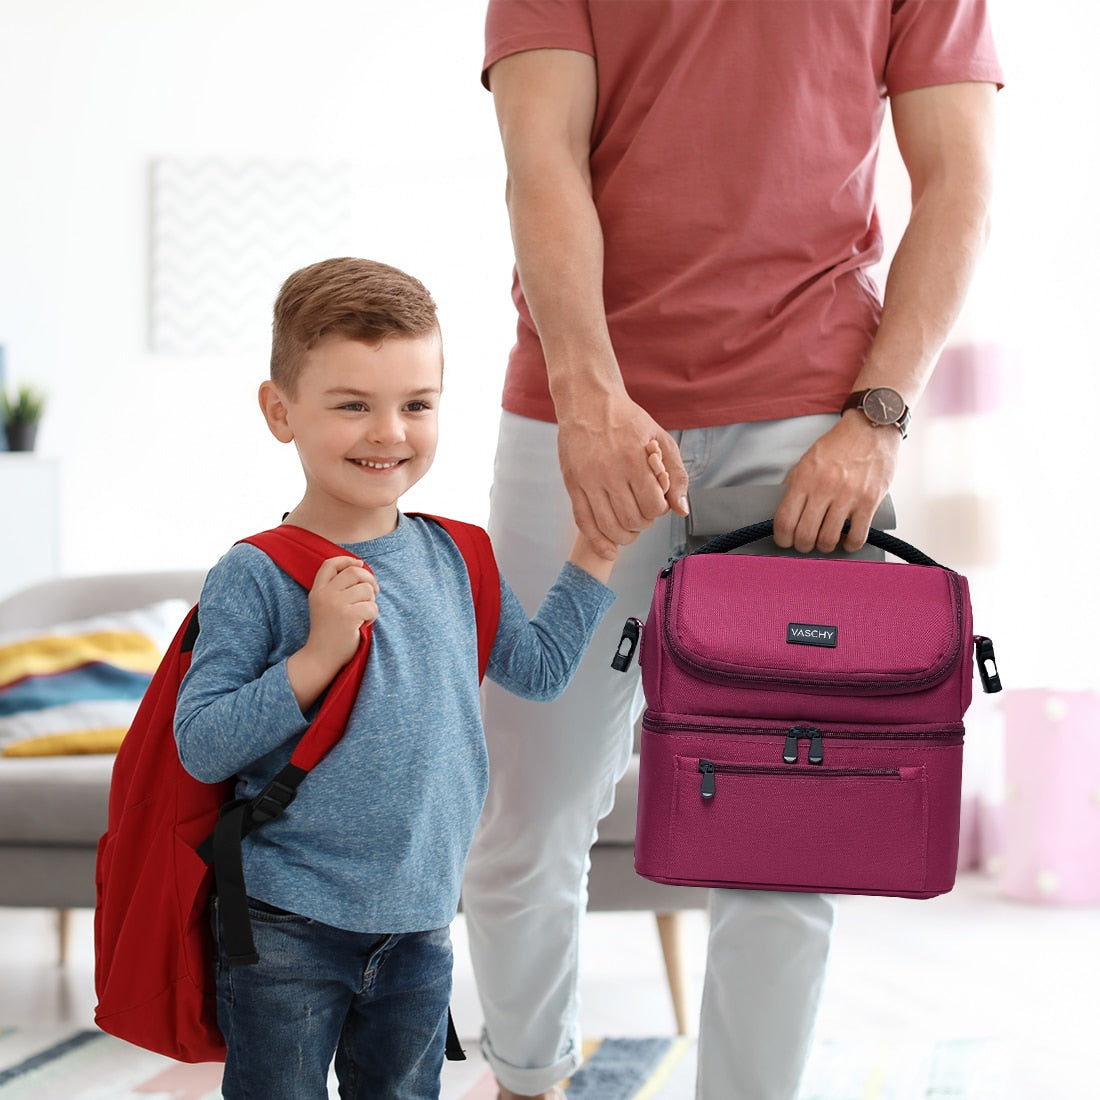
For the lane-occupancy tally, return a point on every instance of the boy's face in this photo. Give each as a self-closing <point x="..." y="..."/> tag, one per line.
<point x="365" y="421"/>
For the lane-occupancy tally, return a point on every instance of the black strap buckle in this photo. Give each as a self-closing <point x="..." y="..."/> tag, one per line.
<point x="628" y="643"/>
<point x="987" y="665"/>
<point x="271" y="801"/>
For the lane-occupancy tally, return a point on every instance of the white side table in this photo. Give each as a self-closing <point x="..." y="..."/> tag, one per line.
<point x="29" y="520"/>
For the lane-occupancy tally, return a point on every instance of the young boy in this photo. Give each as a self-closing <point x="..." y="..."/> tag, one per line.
<point x="352" y="890"/>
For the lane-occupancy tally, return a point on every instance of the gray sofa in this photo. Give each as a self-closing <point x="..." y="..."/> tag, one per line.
<point x="54" y="809"/>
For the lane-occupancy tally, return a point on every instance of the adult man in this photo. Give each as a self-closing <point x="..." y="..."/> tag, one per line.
<point x="690" y="187"/>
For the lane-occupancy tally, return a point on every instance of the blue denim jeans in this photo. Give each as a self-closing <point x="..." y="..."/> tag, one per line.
<point x="377" y="1003"/>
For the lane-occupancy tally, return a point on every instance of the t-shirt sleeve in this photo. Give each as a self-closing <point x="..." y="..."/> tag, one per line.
<point x="514" y="26"/>
<point x="535" y="659"/>
<point x="940" y="42"/>
<point x="235" y="704"/>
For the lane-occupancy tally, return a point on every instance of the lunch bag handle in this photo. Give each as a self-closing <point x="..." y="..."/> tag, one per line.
<point x="732" y="540"/>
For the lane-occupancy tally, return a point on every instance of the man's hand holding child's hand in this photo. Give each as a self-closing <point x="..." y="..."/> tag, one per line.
<point x="342" y="598"/>
<point x="584" y="556"/>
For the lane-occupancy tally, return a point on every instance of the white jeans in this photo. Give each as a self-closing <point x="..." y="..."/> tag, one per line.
<point x="553" y="770"/>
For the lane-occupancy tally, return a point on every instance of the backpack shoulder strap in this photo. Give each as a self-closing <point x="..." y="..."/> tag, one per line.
<point x="300" y="553"/>
<point x="296" y="551"/>
<point x="481" y="563"/>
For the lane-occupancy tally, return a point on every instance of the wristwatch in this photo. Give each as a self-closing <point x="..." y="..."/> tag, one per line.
<point x="882" y="406"/>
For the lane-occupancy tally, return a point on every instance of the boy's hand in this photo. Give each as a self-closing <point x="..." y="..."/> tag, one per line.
<point x="585" y="556"/>
<point x="657" y="464"/>
<point x="342" y="598"/>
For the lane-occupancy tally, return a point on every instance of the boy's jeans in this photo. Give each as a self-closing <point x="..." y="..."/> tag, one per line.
<point x="377" y="1002"/>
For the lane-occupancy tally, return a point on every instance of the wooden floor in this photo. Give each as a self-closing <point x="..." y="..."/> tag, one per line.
<point x="968" y="965"/>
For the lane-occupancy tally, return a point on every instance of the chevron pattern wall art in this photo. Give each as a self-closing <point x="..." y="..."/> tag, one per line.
<point x="224" y="236"/>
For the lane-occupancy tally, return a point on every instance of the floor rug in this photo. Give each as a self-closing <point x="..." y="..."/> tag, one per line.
<point x="664" y="1069"/>
<point x="88" y="1065"/>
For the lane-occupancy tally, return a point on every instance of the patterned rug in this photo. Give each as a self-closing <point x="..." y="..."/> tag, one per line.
<point x="88" y="1065"/>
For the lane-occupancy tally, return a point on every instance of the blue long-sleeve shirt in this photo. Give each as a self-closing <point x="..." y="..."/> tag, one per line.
<point x="378" y="835"/>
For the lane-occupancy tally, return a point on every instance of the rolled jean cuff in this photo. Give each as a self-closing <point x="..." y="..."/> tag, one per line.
<point x="530" y="1082"/>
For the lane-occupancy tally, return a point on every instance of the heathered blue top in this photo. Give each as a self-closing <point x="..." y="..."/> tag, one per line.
<point x="377" y="839"/>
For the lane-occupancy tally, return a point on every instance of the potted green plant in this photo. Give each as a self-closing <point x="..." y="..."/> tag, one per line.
<point x="22" y="415"/>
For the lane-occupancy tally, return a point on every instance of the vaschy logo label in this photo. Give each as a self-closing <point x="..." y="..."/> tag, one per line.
<point x="811" y="634"/>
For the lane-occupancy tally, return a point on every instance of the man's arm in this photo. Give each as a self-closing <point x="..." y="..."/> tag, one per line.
<point x="545" y="102"/>
<point x="945" y="135"/>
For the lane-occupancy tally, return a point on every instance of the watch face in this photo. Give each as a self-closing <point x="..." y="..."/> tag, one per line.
<point x="883" y="405"/>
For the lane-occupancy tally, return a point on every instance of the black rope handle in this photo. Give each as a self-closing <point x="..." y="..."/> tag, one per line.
<point x="732" y="540"/>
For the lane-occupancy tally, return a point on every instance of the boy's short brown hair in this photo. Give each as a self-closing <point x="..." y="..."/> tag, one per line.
<point x="360" y="299"/>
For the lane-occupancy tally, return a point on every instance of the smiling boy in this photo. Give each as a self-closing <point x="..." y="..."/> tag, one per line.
<point x="352" y="890"/>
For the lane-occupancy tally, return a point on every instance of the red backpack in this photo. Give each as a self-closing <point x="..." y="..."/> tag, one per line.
<point x="154" y="950"/>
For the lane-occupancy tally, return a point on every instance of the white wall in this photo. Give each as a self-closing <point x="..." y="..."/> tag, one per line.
<point x="165" y="459"/>
<point x="1039" y="297"/>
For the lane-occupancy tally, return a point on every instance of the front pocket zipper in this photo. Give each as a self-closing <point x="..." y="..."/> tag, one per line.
<point x="816" y="735"/>
<point x="709" y="769"/>
<point x="810" y="733"/>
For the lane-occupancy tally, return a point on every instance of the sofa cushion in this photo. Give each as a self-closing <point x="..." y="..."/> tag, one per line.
<point x="58" y="800"/>
<point x="74" y="687"/>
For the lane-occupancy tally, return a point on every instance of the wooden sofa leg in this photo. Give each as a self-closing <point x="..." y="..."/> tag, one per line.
<point x="668" y="928"/>
<point x="63" y="936"/>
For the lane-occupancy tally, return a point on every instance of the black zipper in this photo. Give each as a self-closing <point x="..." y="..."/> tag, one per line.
<point x="792" y="735"/>
<point x="709" y="769"/>
<point x="809" y="733"/>
<point x="862" y="733"/>
<point x="880" y="686"/>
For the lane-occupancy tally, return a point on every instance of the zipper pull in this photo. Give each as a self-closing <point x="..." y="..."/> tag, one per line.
<point x="987" y="664"/>
<point x="817" y="746"/>
<point x="790" y="746"/>
<point x="811" y="733"/>
<point x="628" y="643"/>
<point x="666" y="569"/>
<point x="706" y="788"/>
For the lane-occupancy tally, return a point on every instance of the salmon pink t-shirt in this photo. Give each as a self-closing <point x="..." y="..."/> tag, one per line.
<point x="733" y="163"/>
